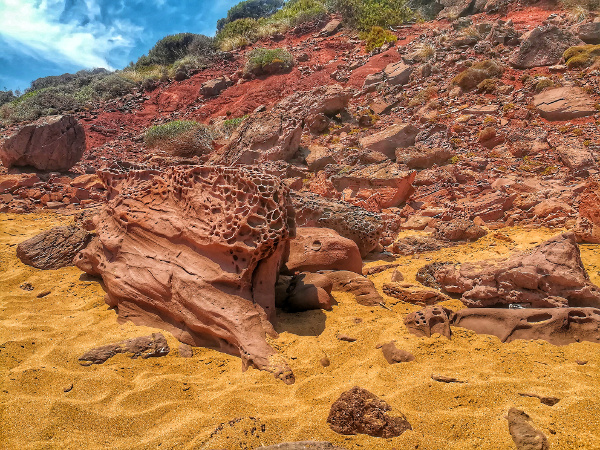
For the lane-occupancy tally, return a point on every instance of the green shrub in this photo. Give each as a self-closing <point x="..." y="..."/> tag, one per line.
<point x="543" y="83"/>
<point x="471" y="77"/>
<point x="377" y="37"/>
<point x="246" y="28"/>
<point x="6" y="96"/>
<point x="296" y="12"/>
<point x="177" y="46"/>
<point x="105" y="88"/>
<point x="489" y="86"/>
<point x="268" y="61"/>
<point x="229" y="126"/>
<point x="365" y="14"/>
<point x="35" y="104"/>
<point x="181" y="138"/>
<point x="581" y="56"/>
<point x="244" y="31"/>
<point x="250" y="9"/>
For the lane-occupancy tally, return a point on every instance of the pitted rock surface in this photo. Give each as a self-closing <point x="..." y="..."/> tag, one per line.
<point x="196" y="251"/>
<point x="363" y="227"/>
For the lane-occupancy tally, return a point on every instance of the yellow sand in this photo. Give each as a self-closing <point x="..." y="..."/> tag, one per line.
<point x="207" y="402"/>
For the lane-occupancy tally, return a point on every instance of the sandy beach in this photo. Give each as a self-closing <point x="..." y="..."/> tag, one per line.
<point x="48" y="400"/>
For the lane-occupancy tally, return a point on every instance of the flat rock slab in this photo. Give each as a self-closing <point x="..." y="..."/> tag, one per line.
<point x="54" y="248"/>
<point x="564" y="103"/>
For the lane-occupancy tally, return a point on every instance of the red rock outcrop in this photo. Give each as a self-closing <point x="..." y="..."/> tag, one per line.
<point x="361" y="287"/>
<point x="360" y="411"/>
<point x="564" y="103"/>
<point x="50" y="143"/>
<point x="314" y="249"/>
<point x="196" y="251"/>
<point x="550" y="275"/>
<point x="588" y="218"/>
<point x="375" y="187"/>
<point x="430" y="320"/>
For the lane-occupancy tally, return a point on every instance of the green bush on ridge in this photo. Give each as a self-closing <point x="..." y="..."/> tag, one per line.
<point x="184" y="138"/>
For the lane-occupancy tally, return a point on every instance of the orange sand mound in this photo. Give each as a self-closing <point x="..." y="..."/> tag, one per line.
<point x="207" y="402"/>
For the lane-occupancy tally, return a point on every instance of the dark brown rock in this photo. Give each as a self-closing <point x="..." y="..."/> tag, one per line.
<point x="196" y="251"/>
<point x="459" y="230"/>
<point x="524" y="434"/>
<point x="550" y="401"/>
<point x="54" y="248"/>
<point x="50" y="143"/>
<point x="358" y="411"/>
<point x="147" y="347"/>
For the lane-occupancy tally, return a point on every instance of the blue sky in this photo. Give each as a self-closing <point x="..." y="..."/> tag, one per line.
<point x="51" y="37"/>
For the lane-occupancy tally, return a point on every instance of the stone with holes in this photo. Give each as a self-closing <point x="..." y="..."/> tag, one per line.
<point x="429" y="321"/>
<point x="195" y="250"/>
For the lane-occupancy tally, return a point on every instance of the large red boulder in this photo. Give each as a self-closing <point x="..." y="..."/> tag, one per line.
<point x="322" y="249"/>
<point x="50" y="143"/>
<point x="196" y="251"/>
<point x="551" y="275"/>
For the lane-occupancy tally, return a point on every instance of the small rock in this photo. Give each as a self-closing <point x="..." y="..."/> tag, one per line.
<point x="43" y="294"/>
<point x="185" y="350"/>
<point x="27" y="286"/>
<point x="344" y="337"/>
<point x="550" y="401"/>
<point x="394" y="355"/>
<point x="146" y="347"/>
<point x="524" y="435"/>
<point x="445" y="379"/>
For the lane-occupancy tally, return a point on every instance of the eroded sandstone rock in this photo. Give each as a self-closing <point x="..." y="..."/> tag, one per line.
<point x="196" y="251"/>
<point x="558" y="326"/>
<point x="551" y="275"/>
<point x="314" y="249"/>
<point x="390" y="139"/>
<point x="413" y="295"/>
<point x="50" y="143"/>
<point x="358" y="411"/>
<point x="361" y="287"/>
<point x="151" y="346"/>
<point x="54" y="248"/>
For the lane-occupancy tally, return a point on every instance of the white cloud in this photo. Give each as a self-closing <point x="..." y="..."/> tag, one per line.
<point x="34" y="27"/>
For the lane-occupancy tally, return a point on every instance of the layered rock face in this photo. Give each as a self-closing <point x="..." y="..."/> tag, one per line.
<point x="552" y="275"/>
<point x="50" y="143"/>
<point x="543" y="46"/>
<point x="196" y="251"/>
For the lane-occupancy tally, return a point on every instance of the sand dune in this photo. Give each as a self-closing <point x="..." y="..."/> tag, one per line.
<point x="49" y="400"/>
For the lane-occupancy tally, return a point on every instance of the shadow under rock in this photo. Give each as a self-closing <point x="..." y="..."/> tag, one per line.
<point x="306" y="323"/>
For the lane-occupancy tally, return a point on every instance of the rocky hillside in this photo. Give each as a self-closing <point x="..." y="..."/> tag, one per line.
<point x="318" y="201"/>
